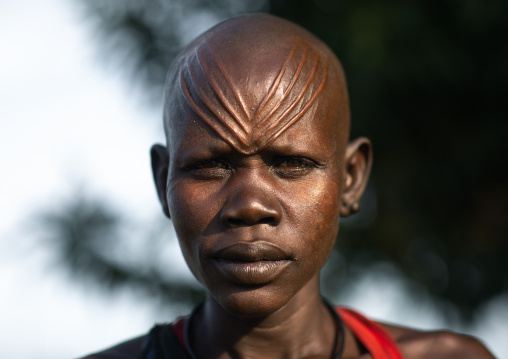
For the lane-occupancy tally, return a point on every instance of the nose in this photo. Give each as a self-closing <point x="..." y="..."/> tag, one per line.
<point x="250" y="206"/>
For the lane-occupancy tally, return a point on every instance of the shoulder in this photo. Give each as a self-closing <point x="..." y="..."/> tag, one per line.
<point x="126" y="350"/>
<point x="417" y="344"/>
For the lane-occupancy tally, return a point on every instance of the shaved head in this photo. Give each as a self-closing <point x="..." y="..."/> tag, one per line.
<point x="252" y="77"/>
<point x="257" y="124"/>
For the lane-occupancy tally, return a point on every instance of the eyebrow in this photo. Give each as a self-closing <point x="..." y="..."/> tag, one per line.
<point x="211" y="94"/>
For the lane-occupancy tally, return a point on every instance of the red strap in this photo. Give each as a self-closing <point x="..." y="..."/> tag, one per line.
<point x="373" y="336"/>
<point x="178" y="329"/>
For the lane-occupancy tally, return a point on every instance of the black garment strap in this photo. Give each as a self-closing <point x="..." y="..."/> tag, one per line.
<point x="341" y="328"/>
<point x="162" y="343"/>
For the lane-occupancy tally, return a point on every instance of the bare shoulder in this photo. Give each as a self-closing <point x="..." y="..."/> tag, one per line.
<point x="126" y="350"/>
<point x="418" y="344"/>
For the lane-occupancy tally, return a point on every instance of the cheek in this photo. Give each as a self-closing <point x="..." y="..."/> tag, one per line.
<point x="314" y="209"/>
<point x="192" y="207"/>
<point x="192" y="210"/>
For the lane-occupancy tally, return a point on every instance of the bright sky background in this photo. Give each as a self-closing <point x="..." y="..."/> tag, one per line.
<point x="67" y="119"/>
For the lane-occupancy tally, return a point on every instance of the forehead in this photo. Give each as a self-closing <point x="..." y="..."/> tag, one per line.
<point x="252" y="78"/>
<point x="309" y="137"/>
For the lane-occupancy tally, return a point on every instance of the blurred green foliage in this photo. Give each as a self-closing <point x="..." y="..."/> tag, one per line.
<point x="427" y="84"/>
<point x="94" y="242"/>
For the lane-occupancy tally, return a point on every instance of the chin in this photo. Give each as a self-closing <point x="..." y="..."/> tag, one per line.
<point x="251" y="302"/>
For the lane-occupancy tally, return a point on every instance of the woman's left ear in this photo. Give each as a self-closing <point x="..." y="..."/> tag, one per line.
<point x="357" y="164"/>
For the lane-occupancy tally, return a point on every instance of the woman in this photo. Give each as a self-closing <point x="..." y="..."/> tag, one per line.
<point x="255" y="175"/>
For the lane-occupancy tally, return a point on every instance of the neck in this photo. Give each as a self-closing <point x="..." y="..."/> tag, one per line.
<point x="302" y="328"/>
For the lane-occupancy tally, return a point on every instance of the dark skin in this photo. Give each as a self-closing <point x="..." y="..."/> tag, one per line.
<point x="256" y="173"/>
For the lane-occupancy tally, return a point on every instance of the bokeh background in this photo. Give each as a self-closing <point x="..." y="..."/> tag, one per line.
<point x="87" y="258"/>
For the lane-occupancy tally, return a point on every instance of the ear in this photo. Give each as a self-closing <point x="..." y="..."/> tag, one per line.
<point x="357" y="163"/>
<point x="160" y="163"/>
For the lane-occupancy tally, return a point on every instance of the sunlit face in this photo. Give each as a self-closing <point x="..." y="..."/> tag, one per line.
<point x="257" y="120"/>
<point x="255" y="228"/>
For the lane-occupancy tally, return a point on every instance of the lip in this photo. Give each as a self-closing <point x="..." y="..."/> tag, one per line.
<point x="254" y="263"/>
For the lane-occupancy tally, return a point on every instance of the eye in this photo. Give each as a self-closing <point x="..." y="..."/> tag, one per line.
<point x="293" y="167"/>
<point x="210" y="169"/>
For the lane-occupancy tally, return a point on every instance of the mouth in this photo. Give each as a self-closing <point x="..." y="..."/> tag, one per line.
<point x="251" y="263"/>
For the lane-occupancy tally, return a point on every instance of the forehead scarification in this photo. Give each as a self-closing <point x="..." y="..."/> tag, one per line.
<point x="246" y="116"/>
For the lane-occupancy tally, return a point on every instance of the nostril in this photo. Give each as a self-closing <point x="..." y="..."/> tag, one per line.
<point x="236" y="222"/>
<point x="266" y="220"/>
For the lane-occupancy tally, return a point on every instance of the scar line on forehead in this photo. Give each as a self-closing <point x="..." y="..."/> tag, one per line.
<point x="212" y="95"/>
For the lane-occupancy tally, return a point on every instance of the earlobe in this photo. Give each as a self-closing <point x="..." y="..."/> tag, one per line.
<point x="357" y="165"/>
<point x="160" y="162"/>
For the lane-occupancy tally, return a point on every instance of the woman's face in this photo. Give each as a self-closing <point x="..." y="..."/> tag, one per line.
<point x="254" y="229"/>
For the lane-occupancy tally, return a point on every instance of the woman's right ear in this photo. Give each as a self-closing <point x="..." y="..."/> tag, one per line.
<point x="160" y="164"/>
